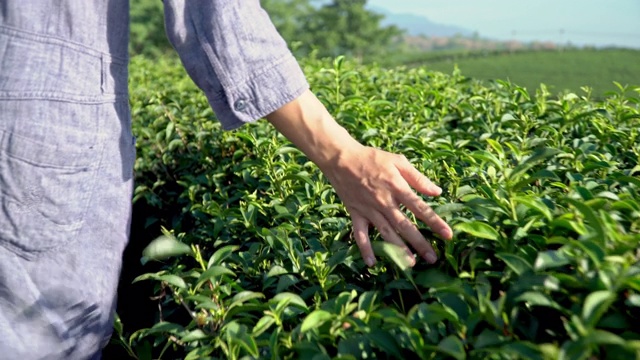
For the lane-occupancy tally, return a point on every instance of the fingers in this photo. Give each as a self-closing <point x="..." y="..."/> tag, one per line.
<point x="416" y="179"/>
<point x="389" y="234"/>
<point x="361" y="236"/>
<point x="425" y="213"/>
<point x="415" y="204"/>
<point x="412" y="235"/>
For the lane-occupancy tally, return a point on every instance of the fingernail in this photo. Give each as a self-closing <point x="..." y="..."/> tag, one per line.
<point x="430" y="257"/>
<point x="436" y="188"/>
<point x="370" y="261"/>
<point x="411" y="260"/>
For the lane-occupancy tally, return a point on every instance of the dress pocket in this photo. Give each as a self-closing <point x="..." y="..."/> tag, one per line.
<point x="45" y="191"/>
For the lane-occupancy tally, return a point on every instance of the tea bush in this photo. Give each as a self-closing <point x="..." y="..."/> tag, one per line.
<point x="256" y="257"/>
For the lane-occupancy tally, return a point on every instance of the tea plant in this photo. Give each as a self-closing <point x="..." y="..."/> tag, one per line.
<point x="257" y="261"/>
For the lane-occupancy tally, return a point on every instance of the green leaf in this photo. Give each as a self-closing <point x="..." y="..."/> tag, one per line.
<point x="592" y="220"/>
<point x="276" y="270"/>
<point x="595" y="252"/>
<point x="602" y="337"/>
<point x="595" y="305"/>
<point x="633" y="300"/>
<point x="117" y="324"/>
<point x="163" y="247"/>
<point x="237" y="333"/>
<point x="551" y="259"/>
<point x="386" y="342"/>
<point x="354" y="347"/>
<point x="496" y="146"/>
<point x="449" y="209"/>
<point x="534" y="204"/>
<point x="246" y="295"/>
<point x="173" y="280"/>
<point x="435" y="278"/>
<point x="452" y="346"/>
<point x="315" y="319"/>
<point x="165" y="327"/>
<point x="292" y="299"/>
<point x="537" y="157"/>
<point x="478" y="229"/>
<point x="523" y="350"/>
<point x="575" y="350"/>
<point x="221" y="254"/>
<point x="488" y="338"/>
<point x="263" y="325"/>
<point x="516" y="263"/>
<point x="199" y="353"/>
<point x="367" y="301"/>
<point x="486" y="156"/>
<point x="214" y="272"/>
<point x="534" y="298"/>
<point x="194" y="335"/>
<point x="392" y="252"/>
<point x="433" y="313"/>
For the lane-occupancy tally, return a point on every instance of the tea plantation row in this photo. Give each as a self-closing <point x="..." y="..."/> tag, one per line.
<point x="542" y="192"/>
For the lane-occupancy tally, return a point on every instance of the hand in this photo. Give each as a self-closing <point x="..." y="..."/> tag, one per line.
<point x="373" y="184"/>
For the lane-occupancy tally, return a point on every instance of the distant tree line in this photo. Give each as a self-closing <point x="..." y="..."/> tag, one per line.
<point x="326" y="28"/>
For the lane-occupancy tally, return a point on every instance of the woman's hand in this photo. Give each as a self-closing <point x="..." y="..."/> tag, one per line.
<point x="372" y="183"/>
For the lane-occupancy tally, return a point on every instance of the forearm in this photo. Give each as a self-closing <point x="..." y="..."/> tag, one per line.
<point x="371" y="183"/>
<point x="309" y="126"/>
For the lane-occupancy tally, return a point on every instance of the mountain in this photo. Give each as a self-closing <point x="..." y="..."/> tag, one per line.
<point x="419" y="25"/>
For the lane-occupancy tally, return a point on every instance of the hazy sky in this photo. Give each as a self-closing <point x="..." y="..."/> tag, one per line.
<point x="597" y="22"/>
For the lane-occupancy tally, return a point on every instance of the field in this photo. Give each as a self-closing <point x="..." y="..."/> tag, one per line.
<point x="254" y="257"/>
<point x="559" y="70"/>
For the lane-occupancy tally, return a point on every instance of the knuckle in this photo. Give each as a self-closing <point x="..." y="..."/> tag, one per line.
<point x="423" y="208"/>
<point x="360" y="238"/>
<point x="404" y="226"/>
<point x="402" y="158"/>
<point x="386" y="231"/>
<point x="397" y="188"/>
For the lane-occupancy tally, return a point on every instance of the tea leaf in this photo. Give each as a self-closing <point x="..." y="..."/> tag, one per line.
<point x="604" y="337"/>
<point x="515" y="263"/>
<point x="537" y="157"/>
<point x="595" y="305"/>
<point x="534" y="298"/>
<point x="221" y="254"/>
<point x="263" y="325"/>
<point x="523" y="350"/>
<point x="164" y="247"/>
<point x="291" y="298"/>
<point x="237" y="333"/>
<point x="315" y="319"/>
<point x="386" y="342"/>
<point x="214" y="272"/>
<point x="194" y="335"/>
<point x="550" y="259"/>
<point x="394" y="253"/>
<point x="246" y="295"/>
<point x="173" y="280"/>
<point x="452" y="346"/>
<point x="534" y="204"/>
<point x="478" y="229"/>
<point x="593" y="221"/>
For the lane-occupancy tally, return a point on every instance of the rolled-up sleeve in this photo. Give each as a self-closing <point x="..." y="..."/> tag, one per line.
<point x="232" y="51"/>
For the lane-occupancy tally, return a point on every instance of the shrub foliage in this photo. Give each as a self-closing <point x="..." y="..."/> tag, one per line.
<point x="257" y="260"/>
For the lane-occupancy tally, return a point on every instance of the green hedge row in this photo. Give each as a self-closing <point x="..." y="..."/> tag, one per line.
<point x="542" y="192"/>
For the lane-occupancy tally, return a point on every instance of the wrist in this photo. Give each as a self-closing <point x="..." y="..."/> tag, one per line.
<point x="309" y="126"/>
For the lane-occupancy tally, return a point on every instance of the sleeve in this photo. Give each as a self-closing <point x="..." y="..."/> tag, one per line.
<point x="233" y="52"/>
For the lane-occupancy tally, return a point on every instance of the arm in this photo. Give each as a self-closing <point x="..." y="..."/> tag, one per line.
<point x="234" y="54"/>
<point x="371" y="183"/>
